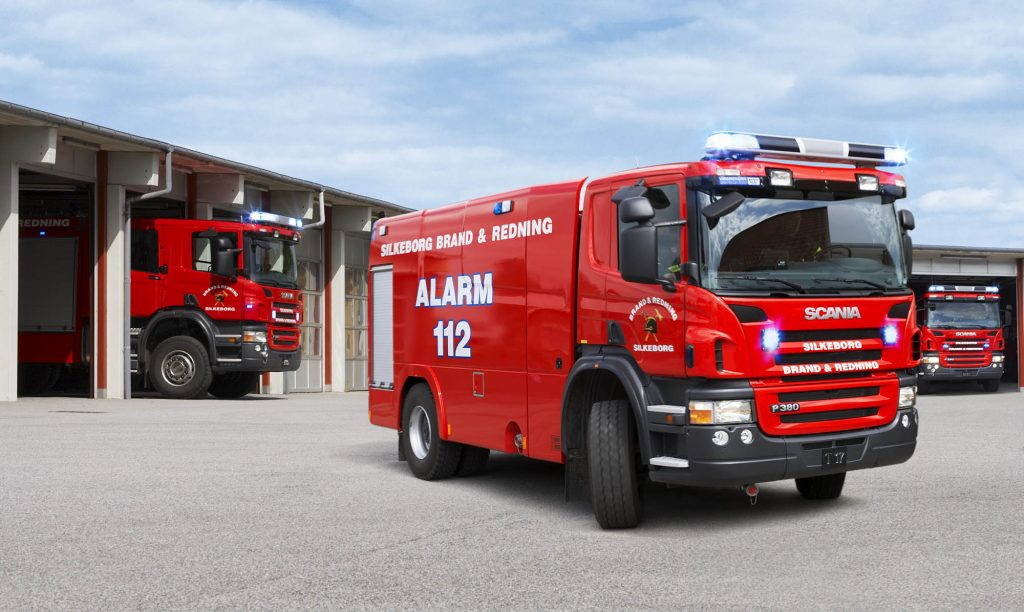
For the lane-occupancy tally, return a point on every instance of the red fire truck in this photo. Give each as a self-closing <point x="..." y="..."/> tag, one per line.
<point x="731" y="321"/>
<point x="213" y="303"/>
<point x="962" y="336"/>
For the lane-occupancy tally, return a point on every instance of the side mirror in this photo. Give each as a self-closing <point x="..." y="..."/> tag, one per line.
<point x="691" y="270"/>
<point x="636" y="210"/>
<point x="906" y="220"/>
<point x="225" y="257"/>
<point x="722" y="207"/>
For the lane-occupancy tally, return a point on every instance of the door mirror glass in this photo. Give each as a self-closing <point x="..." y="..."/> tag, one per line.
<point x="722" y="207"/>
<point x="224" y="257"/>
<point x="906" y="220"/>
<point x="636" y="210"/>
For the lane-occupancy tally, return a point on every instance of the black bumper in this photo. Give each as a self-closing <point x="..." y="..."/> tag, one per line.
<point x="942" y="373"/>
<point x="251" y="359"/>
<point x="768" y="458"/>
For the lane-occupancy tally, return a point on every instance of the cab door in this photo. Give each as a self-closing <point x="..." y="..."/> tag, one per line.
<point x="647" y="318"/>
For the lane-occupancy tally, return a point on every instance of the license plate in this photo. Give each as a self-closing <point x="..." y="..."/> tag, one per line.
<point x="833" y="456"/>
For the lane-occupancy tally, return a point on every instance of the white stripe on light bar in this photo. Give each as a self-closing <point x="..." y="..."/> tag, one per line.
<point x="727" y="145"/>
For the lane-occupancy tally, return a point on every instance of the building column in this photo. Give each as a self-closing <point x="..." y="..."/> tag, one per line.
<point x="9" y="275"/>
<point x="334" y="273"/>
<point x="17" y="144"/>
<point x="1020" y="324"/>
<point x="115" y="172"/>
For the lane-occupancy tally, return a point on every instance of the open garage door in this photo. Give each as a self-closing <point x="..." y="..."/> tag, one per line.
<point x="965" y="267"/>
<point x="55" y="263"/>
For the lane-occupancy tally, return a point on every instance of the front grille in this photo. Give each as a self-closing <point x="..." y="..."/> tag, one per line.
<point x="828" y="415"/>
<point x="285" y="338"/>
<point x="285" y="306"/>
<point x="836" y="356"/>
<point x="827" y="377"/>
<point x="810" y="335"/>
<point x="828" y="394"/>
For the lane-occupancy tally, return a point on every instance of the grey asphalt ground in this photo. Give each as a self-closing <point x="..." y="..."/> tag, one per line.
<point x="293" y="503"/>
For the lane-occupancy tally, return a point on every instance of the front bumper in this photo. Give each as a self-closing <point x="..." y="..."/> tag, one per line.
<point x="937" y="372"/>
<point x="252" y="359"/>
<point x="768" y="458"/>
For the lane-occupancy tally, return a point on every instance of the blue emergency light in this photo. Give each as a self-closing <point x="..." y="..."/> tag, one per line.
<point x="738" y="145"/>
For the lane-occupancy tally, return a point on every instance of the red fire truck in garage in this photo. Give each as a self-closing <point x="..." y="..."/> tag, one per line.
<point x="213" y="303"/>
<point x="961" y="336"/>
<point x="731" y="321"/>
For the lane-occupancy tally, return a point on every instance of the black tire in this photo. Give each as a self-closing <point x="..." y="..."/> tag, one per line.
<point x="474" y="460"/>
<point x="233" y="385"/>
<point x="180" y="368"/>
<point x="924" y="387"/>
<point x="37" y="378"/>
<point x="429" y="457"/>
<point x="991" y="385"/>
<point x="614" y="465"/>
<point x="829" y="486"/>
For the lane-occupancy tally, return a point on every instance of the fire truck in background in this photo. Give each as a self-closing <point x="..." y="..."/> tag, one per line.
<point x="213" y="303"/>
<point x="731" y="321"/>
<point x="961" y="336"/>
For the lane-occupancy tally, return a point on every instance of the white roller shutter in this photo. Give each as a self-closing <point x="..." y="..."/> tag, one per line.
<point x="382" y="349"/>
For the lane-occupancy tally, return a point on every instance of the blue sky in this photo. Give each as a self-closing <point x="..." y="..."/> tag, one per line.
<point x="424" y="103"/>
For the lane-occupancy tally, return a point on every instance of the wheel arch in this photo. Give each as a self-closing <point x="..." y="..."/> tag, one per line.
<point x="602" y="377"/>
<point x="427" y="376"/>
<point x="179" y="322"/>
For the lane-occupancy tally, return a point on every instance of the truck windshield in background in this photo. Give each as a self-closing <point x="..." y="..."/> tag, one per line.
<point x="962" y="315"/>
<point x="804" y="246"/>
<point x="271" y="261"/>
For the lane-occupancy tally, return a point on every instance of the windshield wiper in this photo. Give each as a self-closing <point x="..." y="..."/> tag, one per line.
<point x="853" y="280"/>
<point x="769" y="279"/>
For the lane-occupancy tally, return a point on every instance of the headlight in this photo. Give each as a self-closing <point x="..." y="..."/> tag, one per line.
<point x="703" y="412"/>
<point x="933" y="359"/>
<point x="908" y="396"/>
<point x="997" y="358"/>
<point x="259" y="337"/>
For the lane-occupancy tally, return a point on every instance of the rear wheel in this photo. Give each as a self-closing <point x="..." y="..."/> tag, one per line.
<point x="234" y="384"/>
<point x="829" y="486"/>
<point x="614" y="465"/>
<point x="991" y="385"/>
<point x="474" y="460"/>
<point x="180" y="368"/>
<point x="429" y="457"/>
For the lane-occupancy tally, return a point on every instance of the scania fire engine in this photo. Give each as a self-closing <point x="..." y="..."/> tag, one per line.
<point x="736" y="320"/>
<point x="213" y="303"/>
<point x="961" y="336"/>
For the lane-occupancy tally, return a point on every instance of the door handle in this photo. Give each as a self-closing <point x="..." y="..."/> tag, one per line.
<point x="154" y="277"/>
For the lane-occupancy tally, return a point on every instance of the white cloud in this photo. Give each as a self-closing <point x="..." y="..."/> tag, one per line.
<point x="426" y="102"/>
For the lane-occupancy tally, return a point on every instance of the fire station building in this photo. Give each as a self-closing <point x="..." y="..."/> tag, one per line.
<point x="105" y="178"/>
<point x="96" y="175"/>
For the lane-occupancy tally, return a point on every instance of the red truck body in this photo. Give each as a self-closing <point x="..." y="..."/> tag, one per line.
<point x="513" y="317"/>
<point x="961" y="336"/>
<point x="193" y="329"/>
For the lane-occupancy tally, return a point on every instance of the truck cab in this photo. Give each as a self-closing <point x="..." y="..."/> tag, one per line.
<point x="962" y="336"/>
<point x="214" y="303"/>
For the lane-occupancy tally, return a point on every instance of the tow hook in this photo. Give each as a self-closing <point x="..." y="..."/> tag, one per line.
<point x="751" y="490"/>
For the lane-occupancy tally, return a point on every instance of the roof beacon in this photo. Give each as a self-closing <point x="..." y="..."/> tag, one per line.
<point x="736" y="145"/>
<point x="258" y="216"/>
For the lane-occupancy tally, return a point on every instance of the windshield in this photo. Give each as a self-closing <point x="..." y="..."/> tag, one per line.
<point x="805" y="246"/>
<point x="271" y="261"/>
<point x="963" y="315"/>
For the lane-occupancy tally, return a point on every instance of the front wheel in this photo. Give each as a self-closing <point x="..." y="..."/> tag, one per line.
<point x="829" y="486"/>
<point x="924" y="387"/>
<point x="614" y="465"/>
<point x="180" y="368"/>
<point x="233" y="385"/>
<point x="991" y="385"/>
<point x="429" y="457"/>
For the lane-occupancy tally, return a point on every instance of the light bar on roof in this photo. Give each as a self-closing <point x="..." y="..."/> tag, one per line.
<point x="736" y="145"/>
<point x="259" y="216"/>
